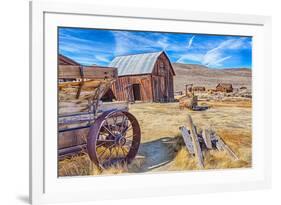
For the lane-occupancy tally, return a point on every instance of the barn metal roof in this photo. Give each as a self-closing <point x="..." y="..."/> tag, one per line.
<point x="135" y="64"/>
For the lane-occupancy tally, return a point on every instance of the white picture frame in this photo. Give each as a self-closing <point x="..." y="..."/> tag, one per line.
<point x="46" y="187"/>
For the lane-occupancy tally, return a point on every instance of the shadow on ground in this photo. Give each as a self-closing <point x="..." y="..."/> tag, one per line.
<point x="155" y="154"/>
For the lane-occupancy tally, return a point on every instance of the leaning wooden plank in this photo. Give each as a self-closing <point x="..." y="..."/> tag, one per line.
<point x="89" y="72"/>
<point x="220" y="144"/>
<point x="207" y="138"/>
<point x="227" y="149"/>
<point x="187" y="139"/>
<point x="196" y="145"/>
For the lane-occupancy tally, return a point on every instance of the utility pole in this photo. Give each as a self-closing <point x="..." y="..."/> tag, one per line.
<point x="186" y="88"/>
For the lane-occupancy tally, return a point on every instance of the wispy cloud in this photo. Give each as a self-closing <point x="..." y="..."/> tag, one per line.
<point x="216" y="55"/>
<point x="90" y="46"/>
<point x="127" y="42"/>
<point x="196" y="57"/>
<point x="190" y="42"/>
<point x="218" y="62"/>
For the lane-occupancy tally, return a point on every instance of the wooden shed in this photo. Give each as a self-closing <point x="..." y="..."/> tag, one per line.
<point x="63" y="60"/>
<point x="144" y="77"/>
<point x="224" y="87"/>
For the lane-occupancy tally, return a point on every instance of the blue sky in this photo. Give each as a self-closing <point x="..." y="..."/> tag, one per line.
<point x="92" y="46"/>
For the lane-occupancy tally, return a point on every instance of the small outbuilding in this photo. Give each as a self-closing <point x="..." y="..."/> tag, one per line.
<point x="224" y="87"/>
<point x="144" y="77"/>
<point x="199" y="89"/>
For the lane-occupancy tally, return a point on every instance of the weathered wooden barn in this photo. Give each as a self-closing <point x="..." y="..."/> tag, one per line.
<point x="224" y="87"/>
<point x="144" y="77"/>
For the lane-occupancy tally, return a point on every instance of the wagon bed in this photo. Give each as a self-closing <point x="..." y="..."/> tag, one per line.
<point x="87" y="124"/>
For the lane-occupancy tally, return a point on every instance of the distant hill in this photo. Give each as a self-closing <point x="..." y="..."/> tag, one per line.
<point x="201" y="75"/>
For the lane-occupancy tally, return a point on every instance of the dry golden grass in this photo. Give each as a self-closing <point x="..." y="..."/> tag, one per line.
<point x="81" y="165"/>
<point x="164" y="119"/>
<point x="213" y="159"/>
<point x="231" y="121"/>
<point x="240" y="103"/>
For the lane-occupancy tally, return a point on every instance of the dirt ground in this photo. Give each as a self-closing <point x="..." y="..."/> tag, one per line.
<point x="161" y="146"/>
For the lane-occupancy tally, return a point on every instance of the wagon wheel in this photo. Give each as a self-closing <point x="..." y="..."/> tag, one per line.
<point x="114" y="137"/>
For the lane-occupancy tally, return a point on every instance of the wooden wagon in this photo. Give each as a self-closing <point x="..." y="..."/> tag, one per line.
<point x="106" y="131"/>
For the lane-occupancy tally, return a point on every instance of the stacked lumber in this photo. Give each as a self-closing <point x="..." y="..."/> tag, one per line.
<point x="196" y="143"/>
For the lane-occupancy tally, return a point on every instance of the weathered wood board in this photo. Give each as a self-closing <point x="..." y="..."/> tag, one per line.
<point x="197" y="143"/>
<point x="72" y="138"/>
<point x="194" y="137"/>
<point x="187" y="139"/>
<point x="207" y="138"/>
<point x="88" y="72"/>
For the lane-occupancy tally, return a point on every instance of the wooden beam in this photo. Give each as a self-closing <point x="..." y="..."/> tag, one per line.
<point x="194" y="137"/>
<point x="89" y="72"/>
<point x="118" y="105"/>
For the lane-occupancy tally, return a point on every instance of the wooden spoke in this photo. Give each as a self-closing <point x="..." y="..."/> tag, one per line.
<point x="101" y="144"/>
<point x="110" y="154"/>
<point x="107" y="135"/>
<point x="99" y="140"/>
<point x="127" y="129"/>
<point x="128" y="137"/>
<point x="109" y="131"/>
<point x="124" y="150"/>
<point x="105" y="150"/>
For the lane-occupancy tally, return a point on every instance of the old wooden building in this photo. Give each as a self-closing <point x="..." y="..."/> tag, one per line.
<point x="63" y="60"/>
<point x="144" y="77"/>
<point x="198" y="89"/>
<point x="224" y="87"/>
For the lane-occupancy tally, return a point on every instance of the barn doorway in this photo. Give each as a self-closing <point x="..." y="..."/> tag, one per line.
<point x="108" y="96"/>
<point x="136" y="92"/>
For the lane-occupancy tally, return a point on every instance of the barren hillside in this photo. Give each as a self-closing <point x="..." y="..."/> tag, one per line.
<point x="201" y="75"/>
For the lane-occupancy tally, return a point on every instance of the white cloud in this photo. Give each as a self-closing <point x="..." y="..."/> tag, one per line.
<point x="128" y="42"/>
<point x="218" y="62"/>
<point x="190" y="42"/>
<point x="197" y="57"/>
<point x="163" y="43"/>
<point x="216" y="56"/>
<point x="101" y="58"/>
